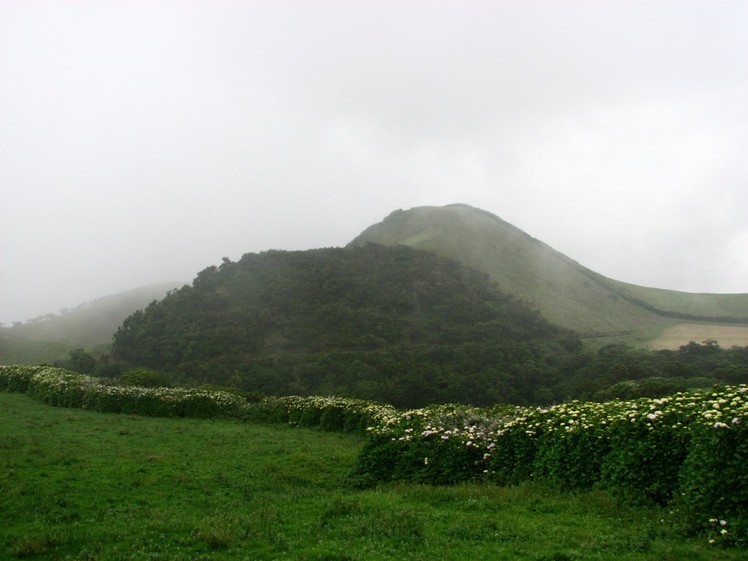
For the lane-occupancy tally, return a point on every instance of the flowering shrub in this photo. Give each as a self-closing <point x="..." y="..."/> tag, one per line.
<point x="59" y="387"/>
<point x="571" y="451"/>
<point x="689" y="450"/>
<point x="17" y="378"/>
<point x="648" y="442"/>
<point x="714" y="476"/>
<point x="436" y="444"/>
<point x="328" y="413"/>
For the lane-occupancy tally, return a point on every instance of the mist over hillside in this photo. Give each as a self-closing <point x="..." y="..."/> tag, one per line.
<point x="600" y="309"/>
<point x="49" y="337"/>
<point x="433" y="304"/>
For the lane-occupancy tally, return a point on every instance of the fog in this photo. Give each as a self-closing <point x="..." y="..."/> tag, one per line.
<point x="143" y="141"/>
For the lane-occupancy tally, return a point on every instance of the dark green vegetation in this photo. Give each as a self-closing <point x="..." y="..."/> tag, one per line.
<point x="566" y="293"/>
<point x="403" y="326"/>
<point x="617" y="371"/>
<point x="48" y="338"/>
<point x="89" y="486"/>
<point x="282" y="323"/>
<point x="686" y="452"/>
<point x="387" y="323"/>
<point x="390" y="324"/>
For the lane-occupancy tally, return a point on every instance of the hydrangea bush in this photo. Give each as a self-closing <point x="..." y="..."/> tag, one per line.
<point x="327" y="413"/>
<point x="55" y="386"/>
<point x="688" y="450"/>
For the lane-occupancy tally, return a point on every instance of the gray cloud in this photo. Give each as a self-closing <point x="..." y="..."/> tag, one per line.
<point x="143" y="141"/>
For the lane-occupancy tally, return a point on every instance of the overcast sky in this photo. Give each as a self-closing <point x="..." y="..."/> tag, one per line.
<point x="143" y="141"/>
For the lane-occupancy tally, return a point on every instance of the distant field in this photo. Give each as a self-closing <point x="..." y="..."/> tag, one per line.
<point x="683" y="333"/>
<point x="704" y="305"/>
<point x="81" y="486"/>
<point x="15" y="350"/>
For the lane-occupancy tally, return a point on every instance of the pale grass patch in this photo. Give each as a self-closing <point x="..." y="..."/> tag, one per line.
<point x="683" y="333"/>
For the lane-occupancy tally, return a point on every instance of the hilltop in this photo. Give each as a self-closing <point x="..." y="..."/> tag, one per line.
<point x="600" y="309"/>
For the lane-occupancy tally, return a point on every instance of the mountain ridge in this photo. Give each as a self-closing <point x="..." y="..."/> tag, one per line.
<point x="563" y="290"/>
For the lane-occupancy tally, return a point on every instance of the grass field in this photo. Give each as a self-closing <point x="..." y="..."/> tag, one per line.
<point x="79" y="485"/>
<point x="682" y="333"/>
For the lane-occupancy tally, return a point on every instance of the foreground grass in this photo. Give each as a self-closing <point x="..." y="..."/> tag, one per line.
<point x="89" y="486"/>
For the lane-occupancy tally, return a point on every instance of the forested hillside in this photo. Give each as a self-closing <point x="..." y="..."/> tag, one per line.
<point x="389" y="323"/>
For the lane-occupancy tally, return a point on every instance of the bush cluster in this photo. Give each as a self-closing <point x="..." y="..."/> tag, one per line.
<point x="688" y="451"/>
<point x="326" y="413"/>
<point x="58" y="387"/>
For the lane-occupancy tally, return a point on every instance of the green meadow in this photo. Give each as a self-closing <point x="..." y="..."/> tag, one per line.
<point x="82" y="485"/>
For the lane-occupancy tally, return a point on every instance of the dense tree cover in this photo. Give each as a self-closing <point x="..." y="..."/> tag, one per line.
<point x="386" y="323"/>
<point x="78" y="360"/>
<point x="390" y="324"/>
<point x="623" y="372"/>
<point x="145" y="378"/>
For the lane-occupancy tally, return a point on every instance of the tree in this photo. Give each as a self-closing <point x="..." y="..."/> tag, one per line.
<point x="145" y="377"/>
<point x="78" y="361"/>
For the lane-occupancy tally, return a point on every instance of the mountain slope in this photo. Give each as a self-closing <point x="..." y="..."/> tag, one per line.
<point x="89" y="324"/>
<point x="388" y="323"/>
<point x="14" y="350"/>
<point x="564" y="291"/>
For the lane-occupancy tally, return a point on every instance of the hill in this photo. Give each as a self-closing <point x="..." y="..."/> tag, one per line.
<point x="16" y="350"/>
<point x="389" y="323"/>
<point x="49" y="337"/>
<point x="600" y="309"/>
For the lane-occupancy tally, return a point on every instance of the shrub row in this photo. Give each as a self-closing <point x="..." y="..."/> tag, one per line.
<point x="326" y="413"/>
<point x="688" y="451"/>
<point x="58" y="387"/>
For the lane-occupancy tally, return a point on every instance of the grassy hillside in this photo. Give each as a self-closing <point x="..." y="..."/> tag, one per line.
<point x="687" y="304"/>
<point x="49" y="338"/>
<point x="224" y="490"/>
<point x="564" y="291"/>
<point x="15" y="350"/>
